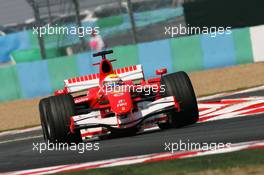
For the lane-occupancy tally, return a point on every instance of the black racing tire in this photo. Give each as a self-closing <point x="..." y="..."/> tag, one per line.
<point x="43" y="107"/>
<point x="179" y="85"/>
<point x="60" y="109"/>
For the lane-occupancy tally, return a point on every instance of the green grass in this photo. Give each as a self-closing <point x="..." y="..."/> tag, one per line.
<point x="223" y="162"/>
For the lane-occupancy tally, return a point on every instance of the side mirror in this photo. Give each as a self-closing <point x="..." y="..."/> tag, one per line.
<point x="161" y="71"/>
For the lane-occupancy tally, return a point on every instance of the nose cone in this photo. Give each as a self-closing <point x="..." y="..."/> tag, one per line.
<point x="120" y="102"/>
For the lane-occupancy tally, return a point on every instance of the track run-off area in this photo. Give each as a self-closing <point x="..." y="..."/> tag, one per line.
<point x="233" y="120"/>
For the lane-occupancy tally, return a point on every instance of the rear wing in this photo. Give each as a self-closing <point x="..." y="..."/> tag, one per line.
<point x="85" y="82"/>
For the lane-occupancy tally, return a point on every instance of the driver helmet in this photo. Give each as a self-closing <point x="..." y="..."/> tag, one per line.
<point x="112" y="80"/>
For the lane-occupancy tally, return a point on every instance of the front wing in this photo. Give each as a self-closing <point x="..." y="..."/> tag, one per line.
<point x="92" y="124"/>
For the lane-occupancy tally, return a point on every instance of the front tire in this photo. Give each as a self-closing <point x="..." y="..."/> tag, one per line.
<point x="43" y="106"/>
<point x="179" y="85"/>
<point x="59" y="110"/>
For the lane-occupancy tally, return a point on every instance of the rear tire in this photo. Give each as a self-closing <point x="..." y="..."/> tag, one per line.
<point x="59" y="111"/>
<point x="179" y="85"/>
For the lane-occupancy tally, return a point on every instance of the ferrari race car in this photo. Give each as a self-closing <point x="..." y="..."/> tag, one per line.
<point x="117" y="102"/>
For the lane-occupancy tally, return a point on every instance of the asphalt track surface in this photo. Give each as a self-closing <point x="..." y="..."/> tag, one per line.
<point x="18" y="155"/>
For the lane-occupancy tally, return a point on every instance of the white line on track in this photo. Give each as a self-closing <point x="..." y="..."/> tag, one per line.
<point x="231" y="93"/>
<point x="14" y="132"/>
<point x="21" y="139"/>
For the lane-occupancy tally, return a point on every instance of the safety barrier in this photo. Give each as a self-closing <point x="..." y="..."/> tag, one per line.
<point x="257" y="39"/>
<point x="10" y="86"/>
<point x="27" y="40"/>
<point x="191" y="53"/>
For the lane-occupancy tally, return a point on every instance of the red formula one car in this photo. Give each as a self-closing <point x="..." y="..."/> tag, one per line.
<point x="115" y="102"/>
